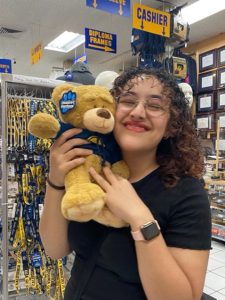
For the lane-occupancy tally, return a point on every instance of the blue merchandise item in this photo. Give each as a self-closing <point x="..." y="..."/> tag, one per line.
<point x="68" y="76"/>
<point x="149" y="46"/>
<point x="147" y="43"/>
<point x="103" y="145"/>
<point x="139" y="40"/>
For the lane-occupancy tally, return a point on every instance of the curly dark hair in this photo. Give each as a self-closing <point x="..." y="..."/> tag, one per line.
<point x="180" y="154"/>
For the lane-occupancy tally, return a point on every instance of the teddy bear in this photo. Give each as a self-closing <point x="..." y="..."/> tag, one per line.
<point x="91" y="108"/>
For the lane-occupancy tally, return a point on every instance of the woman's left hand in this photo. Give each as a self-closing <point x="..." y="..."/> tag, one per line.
<point x="121" y="198"/>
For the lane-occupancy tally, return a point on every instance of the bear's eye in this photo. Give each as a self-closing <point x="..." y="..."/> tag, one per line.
<point x="103" y="106"/>
<point x="95" y="106"/>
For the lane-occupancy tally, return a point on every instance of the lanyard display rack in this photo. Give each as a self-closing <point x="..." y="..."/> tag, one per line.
<point x="29" y="90"/>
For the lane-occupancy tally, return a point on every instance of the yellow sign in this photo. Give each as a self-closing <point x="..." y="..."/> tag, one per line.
<point x="36" y="53"/>
<point x="151" y="20"/>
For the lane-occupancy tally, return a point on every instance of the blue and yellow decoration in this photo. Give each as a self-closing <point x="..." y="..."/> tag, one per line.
<point x="100" y="40"/>
<point x="81" y="58"/>
<point x="118" y="7"/>
<point x="5" y="65"/>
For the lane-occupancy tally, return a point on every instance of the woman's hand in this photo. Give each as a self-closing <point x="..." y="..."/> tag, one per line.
<point x="64" y="157"/>
<point x="122" y="199"/>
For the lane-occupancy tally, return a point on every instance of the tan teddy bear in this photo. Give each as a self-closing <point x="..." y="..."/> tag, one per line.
<point x="91" y="108"/>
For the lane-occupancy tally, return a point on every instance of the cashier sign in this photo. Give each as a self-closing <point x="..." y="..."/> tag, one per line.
<point x="151" y="20"/>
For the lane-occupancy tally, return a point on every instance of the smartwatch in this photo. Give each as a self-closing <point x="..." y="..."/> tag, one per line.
<point x="147" y="231"/>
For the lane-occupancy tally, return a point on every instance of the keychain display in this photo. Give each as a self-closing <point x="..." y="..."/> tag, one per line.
<point x="27" y="159"/>
<point x="20" y="109"/>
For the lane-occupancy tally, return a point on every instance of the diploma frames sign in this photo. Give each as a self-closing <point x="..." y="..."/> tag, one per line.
<point x="205" y="102"/>
<point x="221" y="56"/>
<point x="205" y="122"/>
<point x="221" y="78"/>
<point x="207" y="60"/>
<point x="207" y="81"/>
<point x="221" y="99"/>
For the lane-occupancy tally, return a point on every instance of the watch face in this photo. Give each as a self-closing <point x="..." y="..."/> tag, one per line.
<point x="150" y="231"/>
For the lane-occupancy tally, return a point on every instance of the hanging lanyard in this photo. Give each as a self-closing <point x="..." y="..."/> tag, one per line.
<point x="17" y="272"/>
<point x="48" y="275"/>
<point x="30" y="175"/>
<point x="25" y="262"/>
<point x="61" y="276"/>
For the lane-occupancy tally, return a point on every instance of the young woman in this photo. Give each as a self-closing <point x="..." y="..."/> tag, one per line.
<point x="163" y="254"/>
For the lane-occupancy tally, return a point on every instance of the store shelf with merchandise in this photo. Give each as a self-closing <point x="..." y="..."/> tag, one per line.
<point x="216" y="194"/>
<point x="214" y="178"/>
<point x="215" y="185"/>
<point x="25" y="267"/>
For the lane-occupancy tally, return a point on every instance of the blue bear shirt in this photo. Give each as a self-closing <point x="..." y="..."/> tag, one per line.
<point x="103" y="145"/>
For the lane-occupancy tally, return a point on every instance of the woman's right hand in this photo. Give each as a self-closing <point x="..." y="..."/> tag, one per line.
<point x="64" y="157"/>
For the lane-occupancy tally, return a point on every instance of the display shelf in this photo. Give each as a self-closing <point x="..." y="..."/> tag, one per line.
<point x="15" y="88"/>
<point x="215" y="182"/>
<point x="213" y="162"/>
<point x="216" y="192"/>
<point x="209" y="182"/>
<point x="218" y="222"/>
<point x="218" y="231"/>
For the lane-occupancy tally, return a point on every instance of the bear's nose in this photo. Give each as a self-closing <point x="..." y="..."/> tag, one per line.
<point x="103" y="114"/>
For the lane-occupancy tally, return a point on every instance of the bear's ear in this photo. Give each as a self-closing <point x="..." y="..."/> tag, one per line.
<point x="108" y="98"/>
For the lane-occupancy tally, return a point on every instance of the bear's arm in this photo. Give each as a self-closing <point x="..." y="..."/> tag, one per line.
<point x="43" y="125"/>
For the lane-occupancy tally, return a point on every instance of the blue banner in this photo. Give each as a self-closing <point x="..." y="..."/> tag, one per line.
<point x="5" y="65"/>
<point x="100" y="40"/>
<point x="118" y="7"/>
<point x="81" y="58"/>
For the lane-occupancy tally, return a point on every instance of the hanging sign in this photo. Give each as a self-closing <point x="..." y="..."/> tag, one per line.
<point x="118" y="7"/>
<point x="100" y="40"/>
<point x="36" y="53"/>
<point x="82" y="58"/>
<point x="5" y="65"/>
<point x="151" y="20"/>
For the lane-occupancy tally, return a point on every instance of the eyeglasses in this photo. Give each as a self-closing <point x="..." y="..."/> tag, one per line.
<point x="153" y="106"/>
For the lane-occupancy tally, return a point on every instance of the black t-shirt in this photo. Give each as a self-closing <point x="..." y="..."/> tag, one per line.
<point x="183" y="214"/>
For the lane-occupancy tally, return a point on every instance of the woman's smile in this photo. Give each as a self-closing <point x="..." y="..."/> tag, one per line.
<point x="135" y="126"/>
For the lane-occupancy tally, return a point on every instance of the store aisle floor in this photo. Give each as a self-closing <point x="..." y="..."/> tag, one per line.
<point x="215" y="277"/>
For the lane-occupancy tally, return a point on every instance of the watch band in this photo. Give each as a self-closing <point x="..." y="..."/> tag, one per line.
<point x="138" y="235"/>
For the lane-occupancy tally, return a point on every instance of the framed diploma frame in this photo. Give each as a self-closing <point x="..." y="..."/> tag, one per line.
<point x="221" y="56"/>
<point x="207" y="81"/>
<point x="221" y="99"/>
<point x="205" y="122"/>
<point x="207" y="60"/>
<point x="221" y="78"/>
<point x="205" y="102"/>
